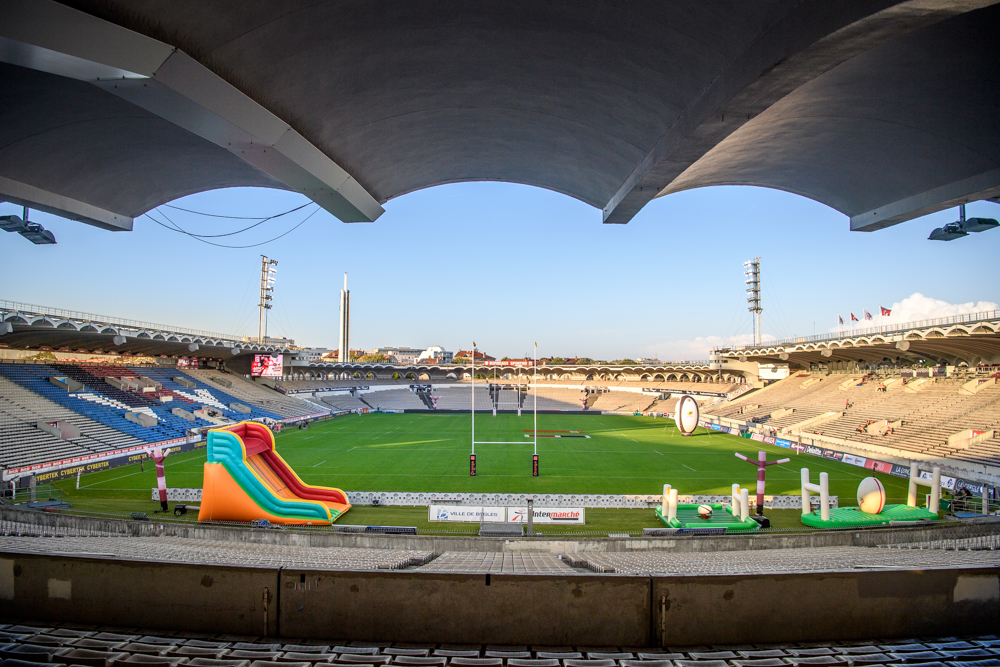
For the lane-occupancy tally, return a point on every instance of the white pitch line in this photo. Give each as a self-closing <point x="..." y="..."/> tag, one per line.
<point x="351" y="449"/>
<point x="660" y="453"/>
<point x="319" y="464"/>
<point x="689" y="468"/>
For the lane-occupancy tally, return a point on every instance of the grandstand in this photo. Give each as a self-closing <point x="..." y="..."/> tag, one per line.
<point x="255" y="394"/>
<point x="915" y="416"/>
<point x="23" y="443"/>
<point x="395" y="399"/>
<point x="108" y="404"/>
<point x="622" y="401"/>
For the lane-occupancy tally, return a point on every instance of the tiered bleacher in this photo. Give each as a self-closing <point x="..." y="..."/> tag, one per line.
<point x="395" y="399"/>
<point x="109" y="404"/>
<point x="30" y="643"/>
<point x="623" y="401"/>
<point x="254" y="394"/>
<point x="913" y="415"/>
<point x="344" y="402"/>
<point x="460" y="398"/>
<point x="23" y="443"/>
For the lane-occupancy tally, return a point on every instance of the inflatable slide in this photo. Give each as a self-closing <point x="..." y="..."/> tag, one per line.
<point x="246" y="479"/>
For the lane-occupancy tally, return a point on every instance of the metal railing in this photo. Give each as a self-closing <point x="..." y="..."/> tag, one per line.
<point x="984" y="316"/>
<point x="33" y="309"/>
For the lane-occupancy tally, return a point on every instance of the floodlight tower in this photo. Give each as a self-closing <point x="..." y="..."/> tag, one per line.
<point x="267" y="272"/>
<point x="753" y="295"/>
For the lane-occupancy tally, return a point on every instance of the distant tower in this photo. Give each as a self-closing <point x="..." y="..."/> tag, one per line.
<point x="345" y="324"/>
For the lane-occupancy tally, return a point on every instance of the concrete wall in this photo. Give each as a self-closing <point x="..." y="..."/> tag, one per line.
<point x="167" y="596"/>
<point x="610" y="610"/>
<point x="598" y="610"/>
<point x="825" y="606"/>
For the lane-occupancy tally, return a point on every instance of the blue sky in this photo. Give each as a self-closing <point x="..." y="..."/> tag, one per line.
<point x="506" y="265"/>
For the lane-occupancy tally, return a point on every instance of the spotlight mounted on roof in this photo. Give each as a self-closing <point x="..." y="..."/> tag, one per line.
<point x="962" y="227"/>
<point x="32" y="231"/>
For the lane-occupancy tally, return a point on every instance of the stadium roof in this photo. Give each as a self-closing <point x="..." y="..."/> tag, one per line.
<point x="882" y="110"/>
<point x="29" y="327"/>
<point x="973" y="339"/>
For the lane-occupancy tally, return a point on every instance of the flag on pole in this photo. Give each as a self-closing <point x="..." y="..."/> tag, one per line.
<point x="841" y="319"/>
<point x="868" y="315"/>
<point x="885" y="312"/>
<point x="854" y="319"/>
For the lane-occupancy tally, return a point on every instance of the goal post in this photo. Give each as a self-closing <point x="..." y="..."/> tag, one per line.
<point x="519" y="364"/>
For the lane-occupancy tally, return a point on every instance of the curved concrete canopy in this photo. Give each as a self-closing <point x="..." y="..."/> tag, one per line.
<point x="356" y="102"/>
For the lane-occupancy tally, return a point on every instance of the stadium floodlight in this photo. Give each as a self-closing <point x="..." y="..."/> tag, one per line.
<point x="962" y="227"/>
<point x="37" y="234"/>
<point x="12" y="223"/>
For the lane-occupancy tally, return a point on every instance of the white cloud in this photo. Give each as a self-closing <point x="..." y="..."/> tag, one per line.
<point x="698" y="348"/>
<point x="918" y="307"/>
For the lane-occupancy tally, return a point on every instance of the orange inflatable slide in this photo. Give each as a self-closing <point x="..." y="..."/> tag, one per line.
<point x="246" y="479"/>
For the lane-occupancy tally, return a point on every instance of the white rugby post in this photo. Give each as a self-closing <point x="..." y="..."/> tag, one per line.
<point x="823" y="489"/>
<point x="934" y="482"/>
<point x="472" y="470"/>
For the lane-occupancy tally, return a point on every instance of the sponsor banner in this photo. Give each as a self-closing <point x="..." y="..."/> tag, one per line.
<point x="946" y="482"/>
<point x="974" y="488"/>
<point x="292" y="420"/>
<point x="833" y="454"/>
<point x="855" y="460"/>
<point x="715" y="427"/>
<point x="466" y="513"/>
<point x="575" y="515"/>
<point x="799" y="447"/>
<point x="899" y="471"/>
<point x="768" y="440"/>
<point x="758" y="437"/>
<point x="787" y="444"/>
<point x="521" y="362"/>
<point x="91" y="459"/>
<point x="814" y="450"/>
<point x="96" y="463"/>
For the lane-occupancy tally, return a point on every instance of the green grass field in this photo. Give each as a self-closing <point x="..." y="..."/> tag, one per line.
<point x="415" y="452"/>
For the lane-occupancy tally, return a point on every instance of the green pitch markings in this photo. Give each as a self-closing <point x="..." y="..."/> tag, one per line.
<point x="430" y="453"/>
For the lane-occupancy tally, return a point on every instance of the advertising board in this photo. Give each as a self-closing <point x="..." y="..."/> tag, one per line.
<point x="466" y="513"/>
<point x="266" y="366"/>
<point x="571" y="515"/>
<point x="475" y="514"/>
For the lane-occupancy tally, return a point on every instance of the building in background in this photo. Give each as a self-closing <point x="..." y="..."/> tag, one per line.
<point x="435" y="355"/>
<point x="400" y="356"/>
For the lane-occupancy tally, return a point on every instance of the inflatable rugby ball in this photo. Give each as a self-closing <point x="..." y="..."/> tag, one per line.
<point x="686" y="415"/>
<point x="705" y="512"/>
<point x="871" y="496"/>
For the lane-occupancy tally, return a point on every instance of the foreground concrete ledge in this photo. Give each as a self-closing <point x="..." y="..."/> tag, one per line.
<point x="544" y="609"/>
<point x="471" y="543"/>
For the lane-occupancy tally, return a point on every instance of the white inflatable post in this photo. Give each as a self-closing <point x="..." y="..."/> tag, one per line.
<point x="673" y="505"/>
<point x="823" y="489"/>
<point x="744" y="504"/>
<point x="666" y="500"/>
<point x="806" y="507"/>
<point x="935" y="490"/>
<point x="935" y="483"/>
<point x="911" y="491"/>
<point x="735" y="509"/>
